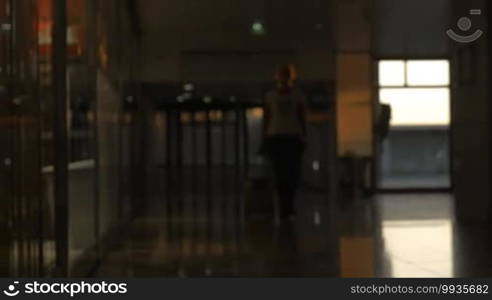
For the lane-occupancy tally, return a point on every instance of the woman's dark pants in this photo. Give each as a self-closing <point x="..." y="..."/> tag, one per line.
<point x="285" y="153"/>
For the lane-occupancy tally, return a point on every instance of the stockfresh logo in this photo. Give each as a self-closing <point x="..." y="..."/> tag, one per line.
<point x="12" y="290"/>
<point x="71" y="289"/>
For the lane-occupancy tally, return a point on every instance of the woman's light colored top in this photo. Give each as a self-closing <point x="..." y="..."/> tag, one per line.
<point x="285" y="111"/>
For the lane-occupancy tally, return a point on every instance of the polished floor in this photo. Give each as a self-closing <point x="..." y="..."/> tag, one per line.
<point x="428" y="181"/>
<point x="204" y="227"/>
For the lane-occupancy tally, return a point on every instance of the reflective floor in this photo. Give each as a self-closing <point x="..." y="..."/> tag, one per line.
<point x="199" y="228"/>
<point x="417" y="235"/>
<point x="435" y="181"/>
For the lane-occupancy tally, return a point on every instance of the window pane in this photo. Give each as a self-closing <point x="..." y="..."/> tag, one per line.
<point x="391" y="73"/>
<point x="428" y="72"/>
<point x="417" y="107"/>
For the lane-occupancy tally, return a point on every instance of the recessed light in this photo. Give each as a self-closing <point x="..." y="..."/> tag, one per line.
<point x="258" y="28"/>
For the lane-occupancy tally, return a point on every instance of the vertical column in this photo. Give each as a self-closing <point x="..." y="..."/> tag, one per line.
<point x="355" y="99"/>
<point x="223" y="137"/>
<point x="237" y="121"/>
<point x="61" y="137"/>
<point x="194" y="144"/>
<point x="354" y="104"/>
<point x="471" y="121"/>
<point x="209" y="139"/>
<point x="244" y="116"/>
<point x="169" y="115"/>
<point x="179" y="138"/>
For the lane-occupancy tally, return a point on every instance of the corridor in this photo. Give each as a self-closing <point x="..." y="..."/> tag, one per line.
<point x="150" y="138"/>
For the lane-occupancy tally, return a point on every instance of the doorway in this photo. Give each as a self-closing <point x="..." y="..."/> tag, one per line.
<point x="415" y="152"/>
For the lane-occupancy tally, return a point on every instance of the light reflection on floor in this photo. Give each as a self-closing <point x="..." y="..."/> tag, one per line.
<point x="419" y="248"/>
<point x="435" y="181"/>
<point x="417" y="234"/>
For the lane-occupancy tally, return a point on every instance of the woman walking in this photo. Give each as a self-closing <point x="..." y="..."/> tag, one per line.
<point x="285" y="132"/>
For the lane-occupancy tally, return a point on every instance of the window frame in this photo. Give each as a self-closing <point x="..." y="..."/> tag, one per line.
<point x="405" y="74"/>
<point x="406" y="86"/>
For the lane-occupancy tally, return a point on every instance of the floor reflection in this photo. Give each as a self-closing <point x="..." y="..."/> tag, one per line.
<point x="436" y="181"/>
<point x="419" y="248"/>
<point x="196" y="229"/>
<point x="196" y="226"/>
<point x="417" y="234"/>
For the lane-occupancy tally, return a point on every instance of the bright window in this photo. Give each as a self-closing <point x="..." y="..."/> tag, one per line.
<point x="417" y="107"/>
<point x="417" y="90"/>
<point x="392" y="73"/>
<point x="428" y="73"/>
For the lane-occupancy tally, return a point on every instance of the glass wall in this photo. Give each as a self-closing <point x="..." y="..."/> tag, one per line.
<point x="103" y="119"/>
<point x="27" y="213"/>
<point x="81" y="103"/>
<point x="101" y="51"/>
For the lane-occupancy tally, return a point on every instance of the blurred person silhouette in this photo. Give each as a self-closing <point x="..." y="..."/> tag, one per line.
<point x="284" y="129"/>
<point x="383" y="121"/>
